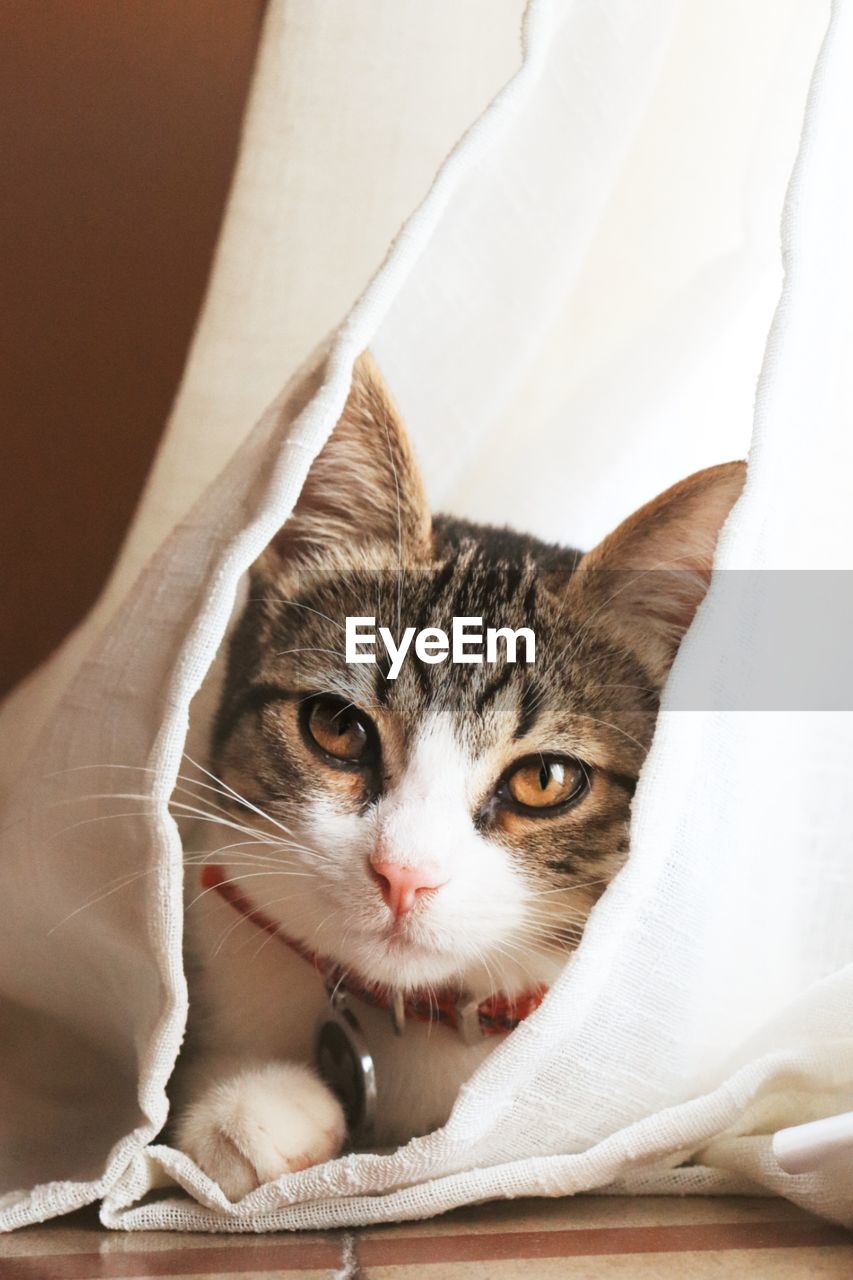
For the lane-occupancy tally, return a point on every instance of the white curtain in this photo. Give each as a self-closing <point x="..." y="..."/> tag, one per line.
<point x="572" y="318"/>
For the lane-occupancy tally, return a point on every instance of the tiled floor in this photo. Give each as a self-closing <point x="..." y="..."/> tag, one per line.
<point x="588" y="1238"/>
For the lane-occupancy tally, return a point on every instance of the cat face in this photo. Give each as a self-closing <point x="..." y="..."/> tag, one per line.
<point x="456" y="823"/>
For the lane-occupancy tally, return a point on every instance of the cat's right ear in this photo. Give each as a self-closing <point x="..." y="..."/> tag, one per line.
<point x="363" y="499"/>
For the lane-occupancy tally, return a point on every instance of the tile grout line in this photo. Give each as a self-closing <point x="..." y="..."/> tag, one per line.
<point x="349" y="1270"/>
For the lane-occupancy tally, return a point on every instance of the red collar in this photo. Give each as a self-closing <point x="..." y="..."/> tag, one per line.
<point x="451" y="1007"/>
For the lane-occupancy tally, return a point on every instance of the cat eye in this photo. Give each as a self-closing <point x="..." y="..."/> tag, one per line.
<point x="545" y="782"/>
<point x="340" y="730"/>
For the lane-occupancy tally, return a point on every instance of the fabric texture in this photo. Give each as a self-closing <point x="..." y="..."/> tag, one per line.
<point x="673" y="1035"/>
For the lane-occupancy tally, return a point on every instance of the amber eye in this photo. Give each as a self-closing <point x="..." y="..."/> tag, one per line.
<point x="340" y="730"/>
<point x="545" y="781"/>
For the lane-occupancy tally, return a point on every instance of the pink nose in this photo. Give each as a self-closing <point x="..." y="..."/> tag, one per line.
<point x="400" y="886"/>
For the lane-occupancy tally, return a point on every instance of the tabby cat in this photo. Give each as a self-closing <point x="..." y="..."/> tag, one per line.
<point x="426" y="848"/>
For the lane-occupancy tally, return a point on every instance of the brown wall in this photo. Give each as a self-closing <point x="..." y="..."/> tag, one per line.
<point x="119" y="121"/>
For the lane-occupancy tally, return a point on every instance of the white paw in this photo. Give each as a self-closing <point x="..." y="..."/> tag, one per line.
<point x="251" y="1127"/>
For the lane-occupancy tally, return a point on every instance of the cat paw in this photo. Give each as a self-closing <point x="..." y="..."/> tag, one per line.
<point x="250" y="1128"/>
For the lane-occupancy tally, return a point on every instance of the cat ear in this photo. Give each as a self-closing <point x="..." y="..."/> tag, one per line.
<point x="646" y="580"/>
<point x="363" y="495"/>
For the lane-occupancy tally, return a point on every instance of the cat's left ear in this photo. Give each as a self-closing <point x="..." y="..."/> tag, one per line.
<point x="645" y="581"/>
<point x="363" y="497"/>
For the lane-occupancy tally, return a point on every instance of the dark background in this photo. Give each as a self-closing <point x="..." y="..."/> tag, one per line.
<point x="119" y="124"/>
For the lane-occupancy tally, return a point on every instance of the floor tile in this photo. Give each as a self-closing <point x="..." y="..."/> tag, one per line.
<point x="580" y="1238"/>
<point x="794" y="1264"/>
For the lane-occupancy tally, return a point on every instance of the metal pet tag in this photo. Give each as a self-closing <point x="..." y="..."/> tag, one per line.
<point x="345" y="1063"/>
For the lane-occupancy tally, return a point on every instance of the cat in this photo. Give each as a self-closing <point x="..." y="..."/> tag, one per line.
<point x="446" y="831"/>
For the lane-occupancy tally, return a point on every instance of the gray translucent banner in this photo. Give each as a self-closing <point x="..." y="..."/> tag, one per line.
<point x="768" y="640"/>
